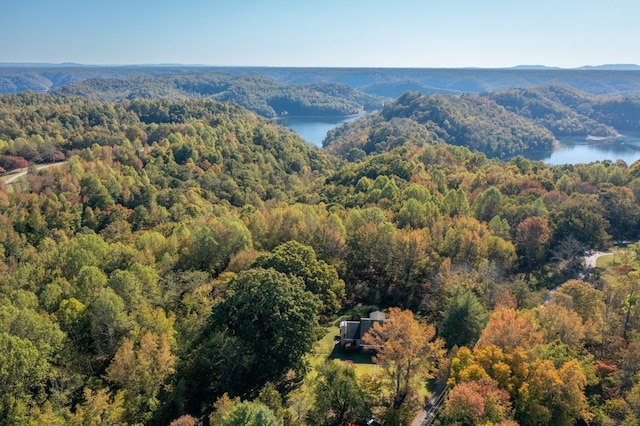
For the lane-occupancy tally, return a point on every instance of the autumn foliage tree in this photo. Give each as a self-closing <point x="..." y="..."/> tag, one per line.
<point x="509" y="328"/>
<point x="553" y="396"/>
<point x="532" y="239"/>
<point x="141" y="372"/>
<point x="477" y="402"/>
<point x="163" y="208"/>
<point x="405" y="349"/>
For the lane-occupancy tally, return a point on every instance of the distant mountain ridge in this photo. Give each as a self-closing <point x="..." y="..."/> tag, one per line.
<point x="76" y="64"/>
<point x="390" y="82"/>
<point x="266" y="96"/>
<point x="619" y="67"/>
<point x="608" y="67"/>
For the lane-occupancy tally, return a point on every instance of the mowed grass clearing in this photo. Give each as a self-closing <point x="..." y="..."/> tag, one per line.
<point x="329" y="348"/>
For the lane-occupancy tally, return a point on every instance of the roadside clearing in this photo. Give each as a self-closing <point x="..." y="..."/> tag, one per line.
<point x="9" y="180"/>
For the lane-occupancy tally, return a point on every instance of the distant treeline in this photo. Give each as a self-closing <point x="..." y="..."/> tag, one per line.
<point x="266" y="96"/>
<point x="386" y="82"/>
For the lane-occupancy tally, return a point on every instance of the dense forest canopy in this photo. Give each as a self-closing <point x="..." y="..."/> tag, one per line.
<point x="186" y="256"/>
<point x="472" y="121"/>
<point x="265" y="96"/>
<point x="568" y="112"/>
<point x="500" y="124"/>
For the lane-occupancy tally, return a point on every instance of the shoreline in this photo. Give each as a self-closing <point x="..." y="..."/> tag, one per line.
<point x="310" y="117"/>
<point x="602" y="138"/>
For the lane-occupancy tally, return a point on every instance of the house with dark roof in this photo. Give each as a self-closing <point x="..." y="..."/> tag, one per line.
<point x="351" y="332"/>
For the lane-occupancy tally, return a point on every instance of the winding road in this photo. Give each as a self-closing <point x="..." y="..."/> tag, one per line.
<point x="590" y="261"/>
<point x="45" y="166"/>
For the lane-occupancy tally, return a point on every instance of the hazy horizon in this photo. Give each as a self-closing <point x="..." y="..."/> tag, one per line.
<point x="522" y="66"/>
<point x="333" y="34"/>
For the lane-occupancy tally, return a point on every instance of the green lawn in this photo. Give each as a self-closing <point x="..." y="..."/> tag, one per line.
<point x="622" y="258"/>
<point x="619" y="256"/>
<point x="329" y="348"/>
<point x="605" y="261"/>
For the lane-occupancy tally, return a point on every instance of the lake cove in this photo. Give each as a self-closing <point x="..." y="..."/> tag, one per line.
<point x="314" y="129"/>
<point x="582" y="150"/>
<point x="572" y="150"/>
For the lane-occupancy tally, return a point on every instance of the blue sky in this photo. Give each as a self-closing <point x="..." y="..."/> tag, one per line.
<point x="350" y="33"/>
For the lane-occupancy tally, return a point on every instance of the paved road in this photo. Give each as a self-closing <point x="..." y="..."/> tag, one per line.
<point x="430" y="411"/>
<point x="590" y="261"/>
<point x="17" y="175"/>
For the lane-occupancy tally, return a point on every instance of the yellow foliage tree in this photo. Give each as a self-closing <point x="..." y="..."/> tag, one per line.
<point x="141" y="372"/>
<point x="405" y="349"/>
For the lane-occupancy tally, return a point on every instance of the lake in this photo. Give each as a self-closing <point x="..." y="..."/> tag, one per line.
<point x="581" y="150"/>
<point x="314" y="129"/>
<point x="571" y="150"/>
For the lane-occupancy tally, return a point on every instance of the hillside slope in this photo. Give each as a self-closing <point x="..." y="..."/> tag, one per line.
<point x="569" y="112"/>
<point x="265" y="96"/>
<point x="469" y="120"/>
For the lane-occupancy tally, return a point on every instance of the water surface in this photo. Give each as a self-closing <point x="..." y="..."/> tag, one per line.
<point x="581" y="150"/>
<point x="572" y="150"/>
<point x="314" y="129"/>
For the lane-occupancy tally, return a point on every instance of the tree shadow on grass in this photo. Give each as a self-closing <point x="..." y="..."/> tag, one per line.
<point x="351" y="356"/>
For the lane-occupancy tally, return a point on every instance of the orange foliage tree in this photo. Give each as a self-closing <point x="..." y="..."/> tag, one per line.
<point x="405" y="348"/>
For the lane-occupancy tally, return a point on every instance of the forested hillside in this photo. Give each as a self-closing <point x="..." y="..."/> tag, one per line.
<point x="187" y="256"/>
<point x="468" y="120"/>
<point x="500" y="124"/>
<point x="265" y="96"/>
<point x="569" y="112"/>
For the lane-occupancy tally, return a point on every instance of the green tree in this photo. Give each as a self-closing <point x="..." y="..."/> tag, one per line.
<point x="91" y="280"/>
<point x="39" y="329"/>
<point x="94" y="193"/>
<point x="270" y="397"/>
<point x="581" y="217"/>
<point x="274" y="322"/>
<point x="210" y="246"/>
<point x="455" y="203"/>
<point x="487" y="204"/>
<point x="109" y="321"/>
<point x="500" y="227"/>
<point x="621" y="210"/>
<point x="23" y="377"/>
<point x="249" y="413"/>
<point x="464" y="318"/>
<point x="338" y="396"/>
<point x="320" y="278"/>
<point x="72" y="318"/>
